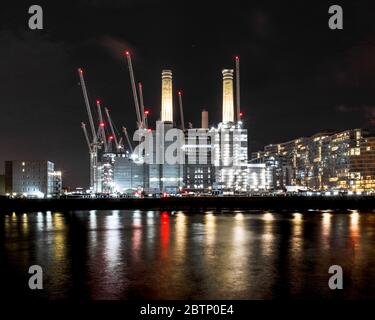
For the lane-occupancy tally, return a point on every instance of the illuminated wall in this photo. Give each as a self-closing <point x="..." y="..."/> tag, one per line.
<point x="128" y="175"/>
<point x="198" y="175"/>
<point x="30" y="178"/>
<point x="230" y="158"/>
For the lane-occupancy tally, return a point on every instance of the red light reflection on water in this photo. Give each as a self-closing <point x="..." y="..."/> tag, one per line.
<point x="164" y="233"/>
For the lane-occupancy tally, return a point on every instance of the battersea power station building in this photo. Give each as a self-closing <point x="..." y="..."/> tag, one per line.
<point x="173" y="159"/>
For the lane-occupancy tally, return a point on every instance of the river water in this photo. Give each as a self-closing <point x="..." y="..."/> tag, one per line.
<point x="188" y="255"/>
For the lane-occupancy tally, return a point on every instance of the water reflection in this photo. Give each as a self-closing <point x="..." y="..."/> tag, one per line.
<point x="59" y="240"/>
<point x="164" y="234"/>
<point x="268" y="235"/>
<point x="239" y="271"/>
<point x="210" y="233"/>
<point x="112" y="240"/>
<point x="180" y="235"/>
<point x="136" y="236"/>
<point x="355" y="231"/>
<point x="296" y="253"/>
<point x="92" y="219"/>
<point x="326" y="222"/>
<point x="159" y="255"/>
<point x="268" y="216"/>
<point x="297" y="236"/>
<point x="354" y="223"/>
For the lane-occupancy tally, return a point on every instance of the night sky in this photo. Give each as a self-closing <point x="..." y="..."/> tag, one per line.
<point x="298" y="77"/>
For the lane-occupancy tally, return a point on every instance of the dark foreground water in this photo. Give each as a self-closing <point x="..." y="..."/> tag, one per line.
<point x="159" y="255"/>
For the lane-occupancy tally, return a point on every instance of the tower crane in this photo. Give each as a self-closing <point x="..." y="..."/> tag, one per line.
<point x="94" y="144"/>
<point x="181" y="110"/>
<point x="127" y="138"/>
<point x="101" y="130"/>
<point x="83" y="126"/>
<point x="141" y="104"/>
<point x="134" y="89"/>
<point x="114" y="137"/>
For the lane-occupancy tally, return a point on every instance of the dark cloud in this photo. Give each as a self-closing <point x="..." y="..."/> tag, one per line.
<point x="367" y="112"/>
<point x="357" y="67"/>
<point x="40" y="102"/>
<point x="261" y="23"/>
<point x="115" y="46"/>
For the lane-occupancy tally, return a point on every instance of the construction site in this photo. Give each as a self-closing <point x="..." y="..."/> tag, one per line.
<point x="118" y="167"/>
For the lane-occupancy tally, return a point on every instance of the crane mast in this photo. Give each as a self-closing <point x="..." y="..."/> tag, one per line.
<point x="141" y="104"/>
<point x="146" y="113"/>
<point x="101" y="131"/>
<point x="120" y="144"/>
<point x="181" y="110"/>
<point x="87" y="103"/>
<point x="134" y="89"/>
<point x="83" y="126"/>
<point x="127" y="138"/>
<point x="94" y="144"/>
<point x="112" y="129"/>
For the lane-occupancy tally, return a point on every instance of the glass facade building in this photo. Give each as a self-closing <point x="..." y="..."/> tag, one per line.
<point x="325" y="161"/>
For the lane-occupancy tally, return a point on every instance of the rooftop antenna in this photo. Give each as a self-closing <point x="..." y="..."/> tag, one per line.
<point x="238" y="88"/>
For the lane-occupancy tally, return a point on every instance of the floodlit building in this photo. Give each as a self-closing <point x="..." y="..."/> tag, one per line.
<point x="259" y="177"/>
<point x="32" y="179"/>
<point x="57" y="184"/>
<point x="121" y="173"/>
<point x="350" y="164"/>
<point x="128" y="175"/>
<point x="166" y="174"/>
<point x="205" y="159"/>
<point x="325" y="161"/>
<point x="230" y="158"/>
<point x="230" y="145"/>
<point x="198" y="171"/>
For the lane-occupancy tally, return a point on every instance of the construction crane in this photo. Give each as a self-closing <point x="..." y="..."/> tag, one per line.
<point x="181" y="110"/>
<point x="134" y="89"/>
<point x="238" y="107"/>
<point x="101" y="130"/>
<point x="146" y="113"/>
<point x="121" y="145"/>
<point x="114" y="137"/>
<point x="141" y="104"/>
<point x="83" y="126"/>
<point x="87" y="103"/>
<point x="127" y="138"/>
<point x="94" y="144"/>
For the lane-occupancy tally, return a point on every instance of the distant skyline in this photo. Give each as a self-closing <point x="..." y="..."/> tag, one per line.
<point x="297" y="76"/>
